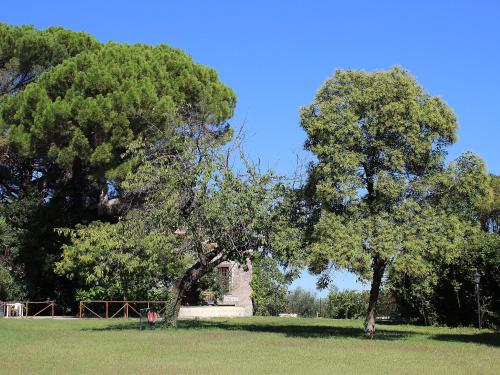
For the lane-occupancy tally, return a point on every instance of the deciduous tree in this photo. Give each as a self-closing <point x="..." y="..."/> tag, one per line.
<point x="380" y="140"/>
<point x="196" y="208"/>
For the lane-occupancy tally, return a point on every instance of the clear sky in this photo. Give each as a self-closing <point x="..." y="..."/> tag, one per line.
<point x="275" y="55"/>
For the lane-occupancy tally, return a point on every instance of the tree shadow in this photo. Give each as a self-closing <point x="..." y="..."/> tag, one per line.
<point x="289" y="330"/>
<point x="325" y="330"/>
<point x="128" y="325"/>
<point x="488" y="337"/>
<point x="295" y="330"/>
<point x="484" y="338"/>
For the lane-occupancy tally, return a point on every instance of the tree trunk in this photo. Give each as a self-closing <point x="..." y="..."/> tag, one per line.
<point x="184" y="283"/>
<point x="378" y="272"/>
<point x="172" y="312"/>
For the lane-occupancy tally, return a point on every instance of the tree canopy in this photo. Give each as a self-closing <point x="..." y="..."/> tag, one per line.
<point x="26" y="53"/>
<point x="380" y="141"/>
<point x="188" y="212"/>
<point x="79" y="117"/>
<point x="70" y="108"/>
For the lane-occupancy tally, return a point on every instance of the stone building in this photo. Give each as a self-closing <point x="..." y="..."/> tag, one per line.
<point x="235" y="303"/>
<point x="237" y="280"/>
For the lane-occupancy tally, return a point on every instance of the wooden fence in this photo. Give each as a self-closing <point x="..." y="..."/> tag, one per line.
<point x="35" y="309"/>
<point x="102" y="309"/>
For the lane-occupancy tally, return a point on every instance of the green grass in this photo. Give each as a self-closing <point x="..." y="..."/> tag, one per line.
<point x="242" y="346"/>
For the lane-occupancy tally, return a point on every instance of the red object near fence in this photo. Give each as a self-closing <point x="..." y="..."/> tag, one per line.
<point x="152" y="316"/>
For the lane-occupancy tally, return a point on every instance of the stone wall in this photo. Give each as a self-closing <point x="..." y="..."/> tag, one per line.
<point x="240" y="290"/>
<point x="236" y="303"/>
<point x="201" y="312"/>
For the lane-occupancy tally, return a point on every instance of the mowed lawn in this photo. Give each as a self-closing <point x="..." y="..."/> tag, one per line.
<point x="242" y="346"/>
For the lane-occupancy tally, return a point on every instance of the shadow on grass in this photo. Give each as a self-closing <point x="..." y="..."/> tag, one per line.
<point x="290" y="330"/>
<point x="485" y="338"/>
<point x="384" y="333"/>
<point x="295" y="330"/>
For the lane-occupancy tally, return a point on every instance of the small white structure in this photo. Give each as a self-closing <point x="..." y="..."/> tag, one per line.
<point x="14" y="309"/>
<point x="201" y="312"/>
<point x="286" y="315"/>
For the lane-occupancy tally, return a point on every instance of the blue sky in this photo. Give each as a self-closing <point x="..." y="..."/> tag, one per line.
<point x="275" y="55"/>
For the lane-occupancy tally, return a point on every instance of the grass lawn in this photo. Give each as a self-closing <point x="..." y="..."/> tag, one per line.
<point x="242" y="346"/>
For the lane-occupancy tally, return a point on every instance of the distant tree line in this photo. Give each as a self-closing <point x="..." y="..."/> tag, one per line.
<point x="340" y="304"/>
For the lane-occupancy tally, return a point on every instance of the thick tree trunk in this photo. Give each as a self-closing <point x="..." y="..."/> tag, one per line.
<point x="172" y="313"/>
<point x="378" y="272"/>
<point x="184" y="283"/>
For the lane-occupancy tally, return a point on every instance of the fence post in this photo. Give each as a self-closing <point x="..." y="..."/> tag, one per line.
<point x="106" y="309"/>
<point x="126" y="310"/>
<point x="53" y="305"/>
<point x="27" y="312"/>
<point x="81" y="306"/>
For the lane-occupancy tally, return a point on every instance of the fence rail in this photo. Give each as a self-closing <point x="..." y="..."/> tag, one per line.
<point x="102" y="309"/>
<point x="25" y="306"/>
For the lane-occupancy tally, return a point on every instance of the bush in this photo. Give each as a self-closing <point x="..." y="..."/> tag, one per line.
<point x="347" y="304"/>
<point x="302" y="303"/>
<point x="269" y="286"/>
<point x="352" y="304"/>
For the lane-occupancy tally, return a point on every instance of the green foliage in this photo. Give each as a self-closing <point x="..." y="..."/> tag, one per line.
<point x="365" y="126"/>
<point x="90" y="107"/>
<point x="302" y="303"/>
<point x="464" y="188"/>
<point x="491" y="212"/>
<point x="341" y="304"/>
<point x="25" y="53"/>
<point x="118" y="261"/>
<point x="209" y="286"/>
<point x="16" y="220"/>
<point x="11" y="287"/>
<point x="7" y="236"/>
<point x="269" y="286"/>
<point x="443" y="292"/>
<point x="187" y="212"/>
<point x="290" y="222"/>
<point x="440" y="290"/>
<point x="485" y="255"/>
<point x="377" y="138"/>
<point x="33" y="218"/>
<point x="378" y="195"/>
<point x="347" y="304"/>
<point x="352" y="304"/>
<point x="70" y="107"/>
<point x="200" y="193"/>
